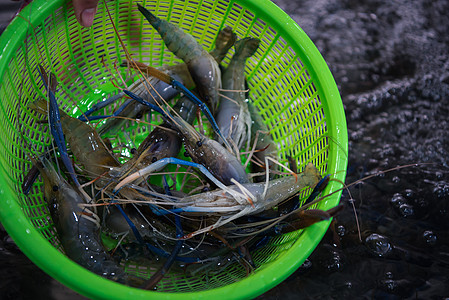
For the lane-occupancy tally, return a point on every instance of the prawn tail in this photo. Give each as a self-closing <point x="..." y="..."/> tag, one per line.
<point x="246" y="47"/>
<point x="306" y="218"/>
<point x="225" y="40"/>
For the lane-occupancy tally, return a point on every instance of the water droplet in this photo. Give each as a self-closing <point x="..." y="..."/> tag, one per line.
<point x="335" y="262"/>
<point x="396" y="179"/>
<point x="409" y="193"/>
<point x="441" y="189"/>
<point x="341" y="230"/>
<point x="430" y="237"/>
<point x="378" y="244"/>
<point x="397" y="200"/>
<point x="306" y="265"/>
<point x="406" y="210"/>
<point x="390" y="284"/>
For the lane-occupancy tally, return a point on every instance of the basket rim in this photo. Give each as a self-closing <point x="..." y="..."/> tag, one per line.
<point x="50" y="259"/>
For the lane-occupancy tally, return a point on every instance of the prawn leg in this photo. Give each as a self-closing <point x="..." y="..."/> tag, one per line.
<point x="149" y="104"/>
<point x="156" y="277"/>
<point x="158" y="251"/>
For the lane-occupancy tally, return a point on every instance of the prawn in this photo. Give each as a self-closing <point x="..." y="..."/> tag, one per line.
<point x="205" y="151"/>
<point x="233" y="117"/>
<point x="85" y="143"/>
<point x="162" y="141"/>
<point x="231" y="202"/>
<point x="77" y="227"/>
<point x="202" y="66"/>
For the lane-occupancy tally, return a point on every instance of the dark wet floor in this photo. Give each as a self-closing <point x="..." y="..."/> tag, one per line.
<point x="390" y="60"/>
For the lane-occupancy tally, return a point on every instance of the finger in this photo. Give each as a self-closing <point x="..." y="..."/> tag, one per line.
<point x="85" y="11"/>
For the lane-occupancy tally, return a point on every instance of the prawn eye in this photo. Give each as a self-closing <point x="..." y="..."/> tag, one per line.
<point x="55" y="188"/>
<point x="133" y="151"/>
<point x="199" y="143"/>
<point x="154" y="159"/>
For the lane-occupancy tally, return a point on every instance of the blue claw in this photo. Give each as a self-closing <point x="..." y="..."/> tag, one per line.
<point x="202" y="106"/>
<point x="192" y="98"/>
<point x="156" y="277"/>
<point x="54" y="120"/>
<point x="86" y="116"/>
<point x="179" y="233"/>
<point x="100" y="105"/>
<point x="158" y="165"/>
<point x="319" y="187"/>
<point x="151" y="105"/>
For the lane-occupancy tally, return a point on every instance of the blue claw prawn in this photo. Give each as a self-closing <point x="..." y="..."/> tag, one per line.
<point x="207" y="152"/>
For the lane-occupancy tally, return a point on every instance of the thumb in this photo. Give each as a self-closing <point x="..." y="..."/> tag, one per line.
<point x="85" y="11"/>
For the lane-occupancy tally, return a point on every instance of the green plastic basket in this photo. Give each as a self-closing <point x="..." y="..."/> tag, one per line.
<point x="288" y="80"/>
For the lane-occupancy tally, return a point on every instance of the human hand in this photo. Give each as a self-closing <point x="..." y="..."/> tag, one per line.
<point x="85" y="11"/>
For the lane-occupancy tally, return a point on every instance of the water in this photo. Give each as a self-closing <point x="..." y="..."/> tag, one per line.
<point x="390" y="60"/>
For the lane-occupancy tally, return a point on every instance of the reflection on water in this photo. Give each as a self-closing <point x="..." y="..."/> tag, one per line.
<point x="390" y="61"/>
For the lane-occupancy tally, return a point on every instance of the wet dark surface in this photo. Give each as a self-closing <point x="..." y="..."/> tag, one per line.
<point x="390" y="60"/>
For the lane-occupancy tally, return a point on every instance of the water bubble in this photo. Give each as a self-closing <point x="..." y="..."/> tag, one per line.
<point x="430" y="237"/>
<point x="397" y="200"/>
<point x="335" y="263"/>
<point x="390" y="284"/>
<point x="441" y="189"/>
<point x="306" y="265"/>
<point x="406" y="210"/>
<point x="396" y="179"/>
<point x="409" y="193"/>
<point x="378" y="244"/>
<point x="341" y="230"/>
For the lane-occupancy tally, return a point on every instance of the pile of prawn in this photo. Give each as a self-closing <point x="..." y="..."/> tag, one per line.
<point x="220" y="208"/>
